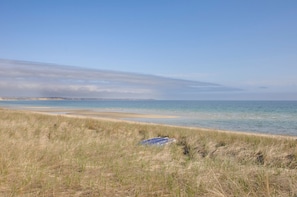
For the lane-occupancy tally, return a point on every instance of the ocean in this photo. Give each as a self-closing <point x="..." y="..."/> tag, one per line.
<point x="268" y="117"/>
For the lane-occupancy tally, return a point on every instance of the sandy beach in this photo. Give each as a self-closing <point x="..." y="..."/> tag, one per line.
<point x="130" y="117"/>
<point x="93" y="113"/>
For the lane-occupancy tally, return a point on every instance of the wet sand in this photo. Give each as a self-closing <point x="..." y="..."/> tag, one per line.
<point x="94" y="114"/>
<point x="128" y="117"/>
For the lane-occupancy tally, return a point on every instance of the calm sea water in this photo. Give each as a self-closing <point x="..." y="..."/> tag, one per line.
<point x="272" y="117"/>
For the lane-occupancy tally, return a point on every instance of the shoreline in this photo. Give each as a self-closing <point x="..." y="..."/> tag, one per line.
<point x="244" y="116"/>
<point x="93" y="113"/>
<point x="122" y="117"/>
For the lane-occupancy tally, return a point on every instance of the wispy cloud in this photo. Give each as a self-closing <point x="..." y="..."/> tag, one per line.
<point x="21" y="78"/>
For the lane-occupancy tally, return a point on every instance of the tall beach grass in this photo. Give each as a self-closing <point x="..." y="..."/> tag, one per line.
<point x="46" y="155"/>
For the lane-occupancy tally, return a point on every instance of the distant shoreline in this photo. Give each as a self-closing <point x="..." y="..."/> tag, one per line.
<point x="67" y="99"/>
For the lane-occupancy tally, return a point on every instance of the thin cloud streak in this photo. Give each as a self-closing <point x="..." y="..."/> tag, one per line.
<point x="22" y="78"/>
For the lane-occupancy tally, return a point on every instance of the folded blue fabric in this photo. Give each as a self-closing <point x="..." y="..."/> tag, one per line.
<point x="157" y="141"/>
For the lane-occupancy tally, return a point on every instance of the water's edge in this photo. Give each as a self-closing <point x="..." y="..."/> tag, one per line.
<point x="268" y="117"/>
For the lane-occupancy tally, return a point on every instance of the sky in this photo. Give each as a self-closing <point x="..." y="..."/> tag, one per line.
<point x="236" y="50"/>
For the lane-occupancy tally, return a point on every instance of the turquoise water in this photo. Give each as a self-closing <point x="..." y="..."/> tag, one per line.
<point x="272" y="117"/>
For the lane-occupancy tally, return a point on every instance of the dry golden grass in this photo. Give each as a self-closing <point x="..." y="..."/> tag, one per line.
<point x="43" y="155"/>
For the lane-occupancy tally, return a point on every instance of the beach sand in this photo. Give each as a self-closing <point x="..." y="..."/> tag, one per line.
<point x="128" y="117"/>
<point x="93" y="113"/>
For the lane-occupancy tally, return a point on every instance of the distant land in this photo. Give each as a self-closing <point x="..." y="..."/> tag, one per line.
<point x="60" y="98"/>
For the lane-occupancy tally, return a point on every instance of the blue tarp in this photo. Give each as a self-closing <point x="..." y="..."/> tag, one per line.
<point x="157" y="141"/>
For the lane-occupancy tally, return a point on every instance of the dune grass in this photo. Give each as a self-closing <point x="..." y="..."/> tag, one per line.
<point x="45" y="155"/>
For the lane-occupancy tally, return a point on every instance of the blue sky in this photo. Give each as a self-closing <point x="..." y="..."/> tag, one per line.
<point x="250" y="46"/>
